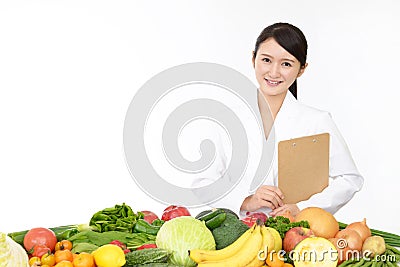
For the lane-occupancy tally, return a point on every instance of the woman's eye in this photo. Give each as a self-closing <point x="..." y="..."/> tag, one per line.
<point x="266" y="60"/>
<point x="287" y="64"/>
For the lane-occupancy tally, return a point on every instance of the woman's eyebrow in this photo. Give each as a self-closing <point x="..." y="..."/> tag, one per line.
<point x="263" y="54"/>
<point x="288" y="59"/>
<point x="283" y="59"/>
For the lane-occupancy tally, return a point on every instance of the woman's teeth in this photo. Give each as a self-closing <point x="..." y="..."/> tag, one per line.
<point x="273" y="82"/>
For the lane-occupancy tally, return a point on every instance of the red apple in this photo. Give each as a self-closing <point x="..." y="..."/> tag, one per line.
<point x="294" y="236"/>
<point x="149" y="216"/>
<point x="174" y="211"/>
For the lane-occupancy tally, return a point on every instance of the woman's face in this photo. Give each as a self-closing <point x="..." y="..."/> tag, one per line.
<point x="275" y="68"/>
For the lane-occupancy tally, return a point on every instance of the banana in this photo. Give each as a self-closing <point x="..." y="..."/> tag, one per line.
<point x="267" y="246"/>
<point x="277" y="239"/>
<point x="268" y="240"/>
<point x="200" y="255"/>
<point x="244" y="256"/>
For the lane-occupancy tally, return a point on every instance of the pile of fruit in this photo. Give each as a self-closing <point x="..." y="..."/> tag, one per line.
<point x="117" y="236"/>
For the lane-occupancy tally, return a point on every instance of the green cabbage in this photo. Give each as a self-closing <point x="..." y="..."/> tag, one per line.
<point x="12" y="254"/>
<point x="182" y="234"/>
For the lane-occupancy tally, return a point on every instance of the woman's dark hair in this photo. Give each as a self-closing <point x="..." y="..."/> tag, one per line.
<point x="291" y="39"/>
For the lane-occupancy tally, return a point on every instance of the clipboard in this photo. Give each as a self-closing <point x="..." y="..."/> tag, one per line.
<point x="303" y="167"/>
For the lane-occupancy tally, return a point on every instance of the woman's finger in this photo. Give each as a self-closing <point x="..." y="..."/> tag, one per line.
<point x="278" y="210"/>
<point x="272" y="199"/>
<point x="274" y="189"/>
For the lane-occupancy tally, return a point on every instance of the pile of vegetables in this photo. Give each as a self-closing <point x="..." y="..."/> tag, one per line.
<point x="110" y="228"/>
<point x="119" y="237"/>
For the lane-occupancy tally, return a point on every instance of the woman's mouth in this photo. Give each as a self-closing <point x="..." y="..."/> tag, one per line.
<point x="272" y="82"/>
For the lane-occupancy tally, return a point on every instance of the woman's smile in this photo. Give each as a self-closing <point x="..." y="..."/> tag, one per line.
<point x="272" y="83"/>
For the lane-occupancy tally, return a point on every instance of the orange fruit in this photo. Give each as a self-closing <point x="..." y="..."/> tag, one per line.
<point x="84" y="260"/>
<point x="274" y="260"/>
<point x="64" y="264"/>
<point x="287" y="265"/>
<point x="322" y="223"/>
<point x="63" y="255"/>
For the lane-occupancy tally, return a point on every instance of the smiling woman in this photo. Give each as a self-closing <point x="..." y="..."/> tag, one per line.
<point x="279" y="58"/>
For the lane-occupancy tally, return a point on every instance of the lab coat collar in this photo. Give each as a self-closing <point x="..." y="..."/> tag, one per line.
<point x="285" y="112"/>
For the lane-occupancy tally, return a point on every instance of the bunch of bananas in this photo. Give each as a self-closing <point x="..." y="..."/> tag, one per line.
<point x="250" y="249"/>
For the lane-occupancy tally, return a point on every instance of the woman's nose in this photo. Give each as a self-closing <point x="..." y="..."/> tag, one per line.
<point x="274" y="71"/>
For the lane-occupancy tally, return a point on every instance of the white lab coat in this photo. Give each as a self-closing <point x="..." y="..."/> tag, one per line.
<point x="293" y="120"/>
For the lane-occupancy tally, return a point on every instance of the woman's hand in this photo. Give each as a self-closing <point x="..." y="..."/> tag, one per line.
<point x="292" y="208"/>
<point x="265" y="196"/>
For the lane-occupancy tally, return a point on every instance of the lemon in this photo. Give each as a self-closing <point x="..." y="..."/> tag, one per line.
<point x="109" y="256"/>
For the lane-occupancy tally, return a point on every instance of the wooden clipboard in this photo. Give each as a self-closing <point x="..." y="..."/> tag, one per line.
<point x="303" y="166"/>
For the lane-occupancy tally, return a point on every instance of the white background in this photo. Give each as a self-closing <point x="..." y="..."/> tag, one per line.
<point x="69" y="69"/>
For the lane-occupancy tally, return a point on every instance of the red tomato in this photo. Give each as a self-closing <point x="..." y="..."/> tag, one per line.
<point x="149" y="216"/>
<point x="39" y="250"/>
<point x="40" y="236"/>
<point x="174" y="211"/>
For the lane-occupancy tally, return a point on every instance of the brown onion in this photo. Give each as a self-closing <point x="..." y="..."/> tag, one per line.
<point x="361" y="228"/>
<point x="343" y="254"/>
<point x="353" y="239"/>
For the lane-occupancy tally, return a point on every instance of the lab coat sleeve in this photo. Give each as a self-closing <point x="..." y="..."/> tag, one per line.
<point x="220" y="167"/>
<point x="344" y="178"/>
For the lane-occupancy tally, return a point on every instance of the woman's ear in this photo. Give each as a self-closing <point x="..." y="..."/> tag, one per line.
<point x="302" y="69"/>
<point x="253" y="59"/>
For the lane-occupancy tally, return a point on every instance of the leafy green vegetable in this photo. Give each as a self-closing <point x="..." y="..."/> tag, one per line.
<point x="181" y="234"/>
<point x="100" y="239"/>
<point x="83" y="247"/>
<point x="118" y="218"/>
<point x="283" y="224"/>
<point x="230" y="230"/>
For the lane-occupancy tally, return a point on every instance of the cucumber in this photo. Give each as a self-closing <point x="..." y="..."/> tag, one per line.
<point x="216" y="221"/>
<point x="202" y="213"/>
<point x="146" y="256"/>
<point x="210" y="215"/>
